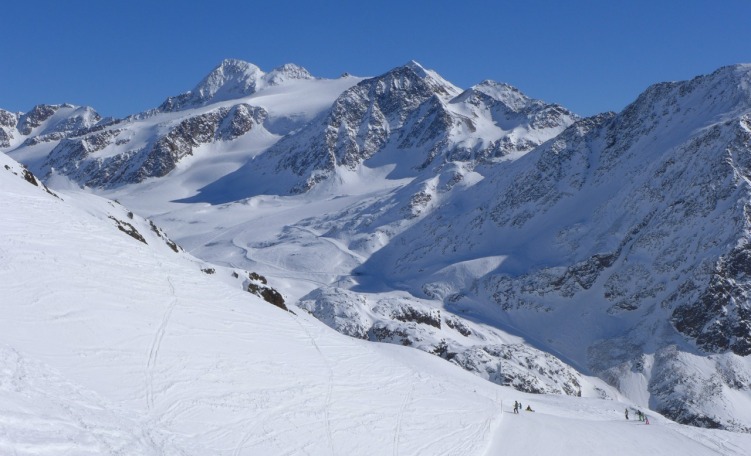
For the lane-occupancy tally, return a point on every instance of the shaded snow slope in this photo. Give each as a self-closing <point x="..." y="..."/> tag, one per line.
<point x="112" y="345"/>
<point x="633" y="226"/>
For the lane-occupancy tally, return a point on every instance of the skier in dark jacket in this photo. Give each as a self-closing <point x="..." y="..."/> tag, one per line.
<point x="626" y="413"/>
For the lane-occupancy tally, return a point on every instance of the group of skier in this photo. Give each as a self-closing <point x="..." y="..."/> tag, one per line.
<point x="518" y="406"/>
<point x="640" y="415"/>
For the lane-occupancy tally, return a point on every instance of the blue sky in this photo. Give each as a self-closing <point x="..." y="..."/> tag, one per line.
<point x="591" y="56"/>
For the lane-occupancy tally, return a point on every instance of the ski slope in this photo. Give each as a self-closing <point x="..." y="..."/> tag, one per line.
<point x="111" y="345"/>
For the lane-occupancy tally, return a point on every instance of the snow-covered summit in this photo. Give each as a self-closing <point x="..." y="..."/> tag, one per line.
<point x="59" y="118"/>
<point x="685" y="105"/>
<point x="413" y="76"/>
<point x="233" y="79"/>
<point x="505" y="93"/>
<point x="440" y="85"/>
<point x="286" y="72"/>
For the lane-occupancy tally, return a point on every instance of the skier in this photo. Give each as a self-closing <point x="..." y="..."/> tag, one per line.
<point x="516" y="407"/>
<point x="626" y="413"/>
<point x="529" y="409"/>
<point x="646" y="420"/>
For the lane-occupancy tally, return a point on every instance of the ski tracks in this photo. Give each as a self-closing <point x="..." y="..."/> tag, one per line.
<point x="155" y="345"/>
<point x="329" y="389"/>
<point x="398" y="428"/>
<point x="327" y="405"/>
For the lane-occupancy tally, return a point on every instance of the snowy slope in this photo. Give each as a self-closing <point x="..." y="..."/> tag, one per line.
<point x="112" y="345"/>
<point x="199" y="364"/>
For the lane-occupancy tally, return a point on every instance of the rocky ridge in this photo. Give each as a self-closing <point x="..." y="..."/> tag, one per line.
<point x="632" y="225"/>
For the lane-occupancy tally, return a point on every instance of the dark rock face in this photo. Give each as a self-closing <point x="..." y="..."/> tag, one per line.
<point x="74" y="119"/>
<point x="720" y="318"/>
<point x="180" y="141"/>
<point x="409" y="109"/>
<point x="72" y="156"/>
<point x="258" y="286"/>
<point x="430" y="317"/>
<point x="128" y="229"/>
<point x="35" y="117"/>
<point x="8" y="122"/>
<point x="158" y="231"/>
<point x="363" y="120"/>
<point x="4" y="138"/>
<point x="8" y="119"/>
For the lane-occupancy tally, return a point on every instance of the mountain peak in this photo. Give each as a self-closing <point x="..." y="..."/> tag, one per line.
<point x="505" y="93"/>
<point x="415" y="72"/>
<point x="703" y="100"/>
<point x="417" y="68"/>
<point x="230" y="79"/>
<point x="286" y="72"/>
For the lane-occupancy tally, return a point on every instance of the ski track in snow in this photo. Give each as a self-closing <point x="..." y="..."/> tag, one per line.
<point x="338" y="245"/>
<point x="246" y="439"/>
<point x="329" y="389"/>
<point x="155" y="345"/>
<point x="280" y="271"/>
<point x="400" y="416"/>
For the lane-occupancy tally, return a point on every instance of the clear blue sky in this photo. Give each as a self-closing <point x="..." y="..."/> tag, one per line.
<point x="122" y="57"/>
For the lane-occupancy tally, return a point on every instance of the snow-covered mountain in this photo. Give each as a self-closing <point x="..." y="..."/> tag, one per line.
<point x="113" y="341"/>
<point x="406" y="120"/>
<point x="409" y="118"/>
<point x="621" y="245"/>
<point x="237" y="107"/>
<point x="233" y="79"/>
<point x="498" y="232"/>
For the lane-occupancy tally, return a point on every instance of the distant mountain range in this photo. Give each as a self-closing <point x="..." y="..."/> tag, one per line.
<point x="504" y="234"/>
